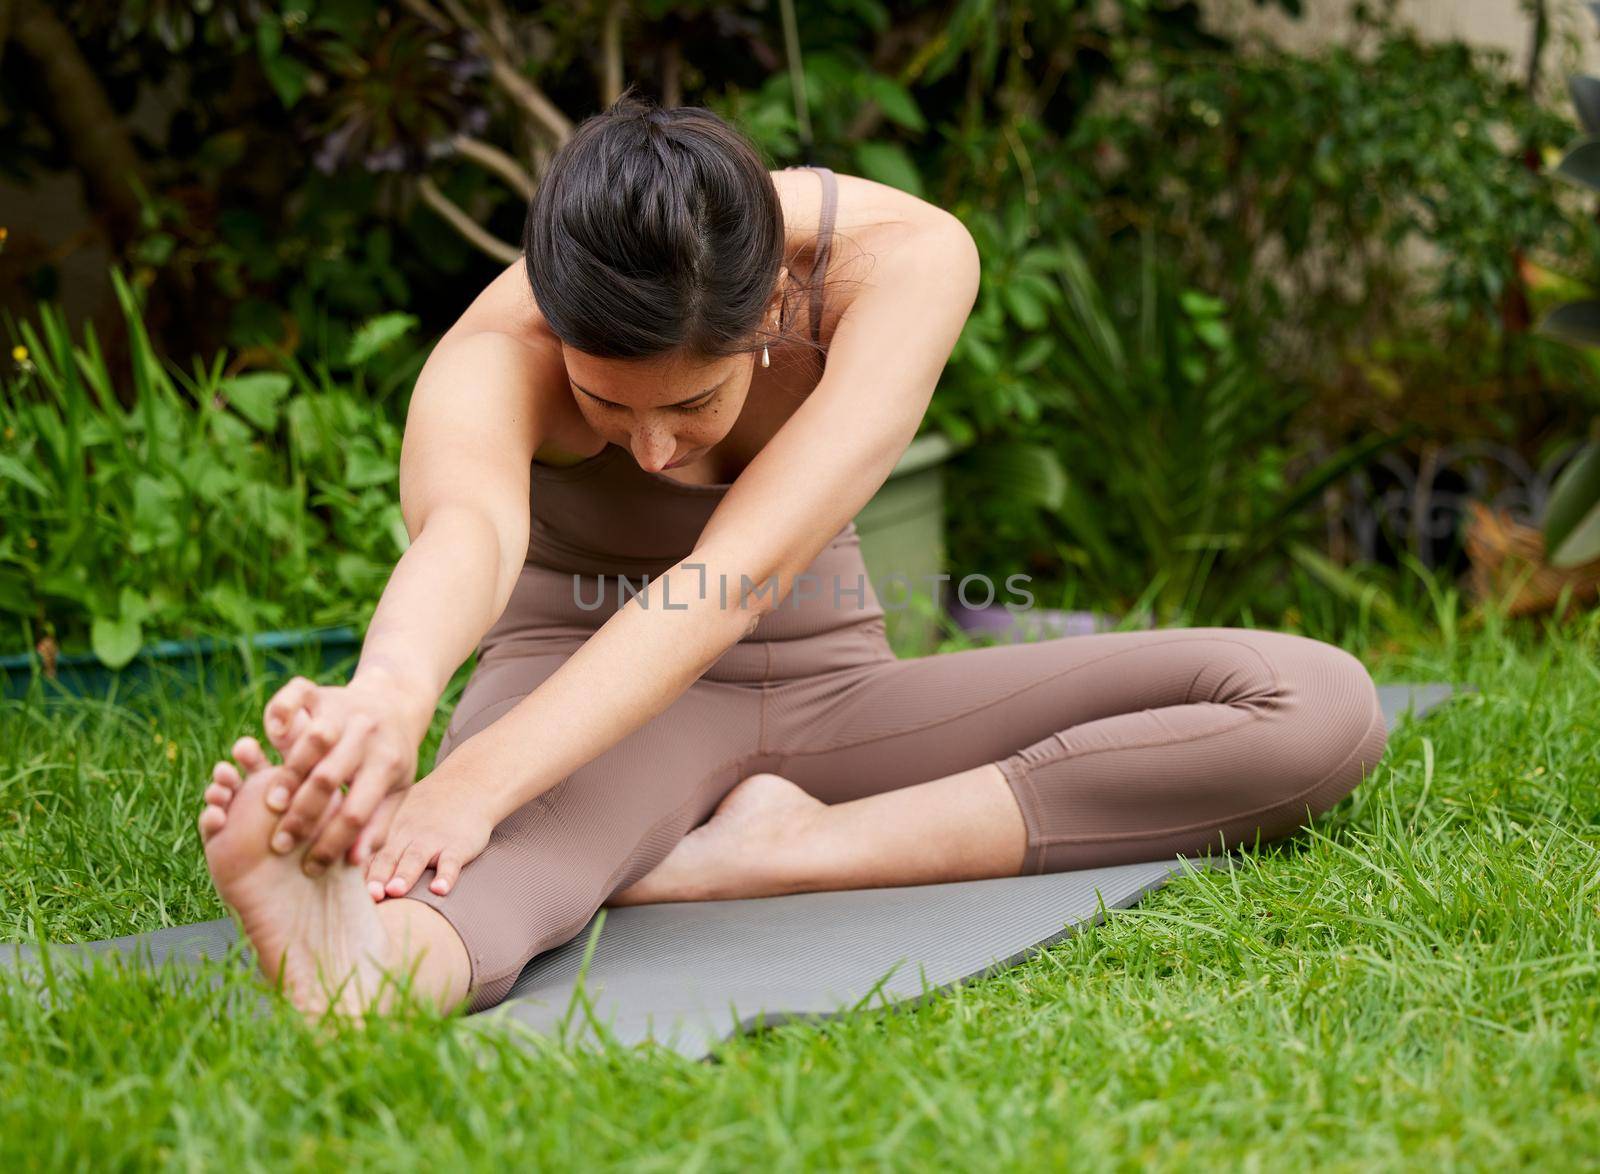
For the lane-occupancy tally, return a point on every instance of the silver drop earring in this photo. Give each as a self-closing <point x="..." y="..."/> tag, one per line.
<point x="766" y="360"/>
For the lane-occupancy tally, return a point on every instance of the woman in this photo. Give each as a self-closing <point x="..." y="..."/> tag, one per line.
<point x="702" y="727"/>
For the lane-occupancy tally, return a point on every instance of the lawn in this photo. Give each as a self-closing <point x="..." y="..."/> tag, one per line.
<point x="1414" y="980"/>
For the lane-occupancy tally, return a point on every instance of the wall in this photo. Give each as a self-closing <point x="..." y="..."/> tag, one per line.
<point x="1574" y="41"/>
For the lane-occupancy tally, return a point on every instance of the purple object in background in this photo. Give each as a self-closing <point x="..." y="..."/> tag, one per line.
<point x="1038" y="623"/>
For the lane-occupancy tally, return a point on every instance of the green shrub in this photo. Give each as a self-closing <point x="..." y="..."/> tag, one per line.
<point x="214" y="503"/>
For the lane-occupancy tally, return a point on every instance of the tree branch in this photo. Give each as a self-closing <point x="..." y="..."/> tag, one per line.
<point x="470" y="230"/>
<point x="523" y="91"/>
<point x="492" y="158"/>
<point x="672" y="73"/>
<point x="76" y="104"/>
<point x="611" y="54"/>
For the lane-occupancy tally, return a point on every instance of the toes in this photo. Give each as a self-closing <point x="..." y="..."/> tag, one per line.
<point x="225" y="774"/>
<point x="250" y="755"/>
<point x="219" y="796"/>
<point x="211" y="821"/>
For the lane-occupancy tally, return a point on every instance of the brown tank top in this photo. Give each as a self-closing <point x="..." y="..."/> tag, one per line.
<point x="607" y="516"/>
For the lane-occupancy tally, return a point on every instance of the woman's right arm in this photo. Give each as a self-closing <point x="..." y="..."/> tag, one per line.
<point x="471" y="431"/>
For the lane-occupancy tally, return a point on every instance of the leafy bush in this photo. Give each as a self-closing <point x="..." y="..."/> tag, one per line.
<point x="1157" y="457"/>
<point x="215" y="503"/>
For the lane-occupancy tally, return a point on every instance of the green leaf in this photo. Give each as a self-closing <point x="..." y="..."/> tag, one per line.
<point x="1581" y="165"/>
<point x="1576" y="323"/>
<point x="889" y="163"/>
<point x="133" y="605"/>
<point x="375" y="334"/>
<point x="156" y="516"/>
<point x="895" y="101"/>
<point x="235" y="607"/>
<point x="1582" y="545"/>
<point x="1572" y="514"/>
<point x="1025" y="305"/>
<point x="364" y="465"/>
<point x="229" y="432"/>
<point x="1342" y="583"/>
<point x="115" y="641"/>
<point x="1034" y="353"/>
<point x="288" y="77"/>
<point x="256" y="396"/>
<point x="12" y="469"/>
<point x="1199" y="305"/>
<point x="1022" y="472"/>
<point x="1213" y="333"/>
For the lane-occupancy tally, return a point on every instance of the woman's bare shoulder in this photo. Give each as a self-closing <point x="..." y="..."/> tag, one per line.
<point x="508" y="380"/>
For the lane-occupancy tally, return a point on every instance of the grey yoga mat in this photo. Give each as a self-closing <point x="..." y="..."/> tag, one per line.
<point x="687" y="975"/>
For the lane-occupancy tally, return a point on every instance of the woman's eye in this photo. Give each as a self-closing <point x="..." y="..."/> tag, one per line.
<point x="700" y="407"/>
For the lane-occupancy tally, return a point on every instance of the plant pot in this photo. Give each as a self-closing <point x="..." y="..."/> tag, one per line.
<point x="902" y="543"/>
<point x="1508" y="565"/>
<point x="81" y="673"/>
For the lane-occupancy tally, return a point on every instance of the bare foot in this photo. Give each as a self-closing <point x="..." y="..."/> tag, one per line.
<point x="321" y="935"/>
<point x="748" y="848"/>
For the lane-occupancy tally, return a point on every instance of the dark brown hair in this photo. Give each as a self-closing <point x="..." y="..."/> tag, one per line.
<point x="656" y="230"/>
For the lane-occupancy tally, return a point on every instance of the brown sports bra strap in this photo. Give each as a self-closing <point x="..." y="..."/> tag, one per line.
<point x="819" y="268"/>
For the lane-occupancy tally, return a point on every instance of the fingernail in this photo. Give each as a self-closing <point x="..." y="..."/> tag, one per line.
<point x="376" y="890"/>
<point x="278" y="798"/>
<point x="282" y="842"/>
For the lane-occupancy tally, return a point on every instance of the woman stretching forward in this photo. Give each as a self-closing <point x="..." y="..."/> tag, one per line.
<point x="629" y="474"/>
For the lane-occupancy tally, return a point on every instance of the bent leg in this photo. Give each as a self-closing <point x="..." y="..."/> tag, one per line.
<point x="1115" y="747"/>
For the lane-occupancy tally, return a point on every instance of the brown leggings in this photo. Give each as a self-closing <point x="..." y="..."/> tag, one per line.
<point x="1118" y="747"/>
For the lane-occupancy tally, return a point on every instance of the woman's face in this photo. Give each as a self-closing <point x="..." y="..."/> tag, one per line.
<point x="665" y="411"/>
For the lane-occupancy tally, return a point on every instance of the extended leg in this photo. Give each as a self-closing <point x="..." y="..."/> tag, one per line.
<point x="552" y="863"/>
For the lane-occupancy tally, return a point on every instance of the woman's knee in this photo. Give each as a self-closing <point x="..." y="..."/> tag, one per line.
<point x="1339" y="732"/>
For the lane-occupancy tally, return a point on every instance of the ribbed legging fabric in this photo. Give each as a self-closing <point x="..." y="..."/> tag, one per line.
<point x="1118" y="747"/>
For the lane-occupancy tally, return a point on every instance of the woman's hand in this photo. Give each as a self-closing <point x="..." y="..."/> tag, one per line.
<point x="364" y="734"/>
<point x="441" y="821"/>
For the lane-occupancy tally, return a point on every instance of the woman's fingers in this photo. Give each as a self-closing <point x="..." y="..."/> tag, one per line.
<point x="329" y="772"/>
<point x="373" y="780"/>
<point x="300" y="694"/>
<point x="320" y="735"/>
<point x="413" y="860"/>
<point x="384" y="861"/>
<point x="370" y="838"/>
<point x="444" y="878"/>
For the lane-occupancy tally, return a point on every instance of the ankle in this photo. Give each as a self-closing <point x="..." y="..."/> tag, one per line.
<point x="809" y="852"/>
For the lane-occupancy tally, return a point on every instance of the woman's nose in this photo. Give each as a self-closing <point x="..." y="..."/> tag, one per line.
<point x="653" y="449"/>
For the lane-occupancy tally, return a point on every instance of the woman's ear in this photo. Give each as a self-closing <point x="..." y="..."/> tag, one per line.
<point x="775" y="306"/>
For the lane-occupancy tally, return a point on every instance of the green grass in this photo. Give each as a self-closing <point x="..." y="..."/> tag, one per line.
<point x="1413" y="981"/>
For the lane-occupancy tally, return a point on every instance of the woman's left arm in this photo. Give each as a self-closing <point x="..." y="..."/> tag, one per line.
<point x="811" y="478"/>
